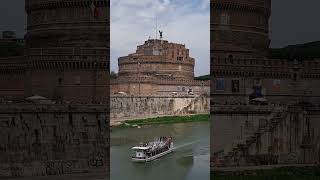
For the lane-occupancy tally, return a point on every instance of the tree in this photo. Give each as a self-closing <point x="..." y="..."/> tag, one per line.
<point x="113" y="75"/>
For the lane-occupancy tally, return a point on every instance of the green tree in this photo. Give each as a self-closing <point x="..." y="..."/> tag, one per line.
<point x="113" y="75"/>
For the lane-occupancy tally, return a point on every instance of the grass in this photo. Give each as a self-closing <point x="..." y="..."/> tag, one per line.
<point x="166" y="120"/>
<point x="283" y="173"/>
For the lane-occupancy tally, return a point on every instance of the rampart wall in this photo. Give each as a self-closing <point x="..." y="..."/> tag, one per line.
<point x="44" y="140"/>
<point x="126" y="108"/>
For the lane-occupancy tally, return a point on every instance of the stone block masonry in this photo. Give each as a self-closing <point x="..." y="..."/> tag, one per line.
<point x="127" y="108"/>
<point x="49" y="140"/>
<point x="261" y="135"/>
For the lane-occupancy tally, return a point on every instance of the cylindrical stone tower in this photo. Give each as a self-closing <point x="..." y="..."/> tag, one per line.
<point x="67" y="49"/>
<point x="240" y="28"/>
<point x="158" y="58"/>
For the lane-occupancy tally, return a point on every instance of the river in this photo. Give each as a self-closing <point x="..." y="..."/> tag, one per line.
<point x="190" y="161"/>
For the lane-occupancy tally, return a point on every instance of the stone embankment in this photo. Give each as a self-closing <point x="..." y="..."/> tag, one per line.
<point x="129" y="108"/>
<point x="54" y="140"/>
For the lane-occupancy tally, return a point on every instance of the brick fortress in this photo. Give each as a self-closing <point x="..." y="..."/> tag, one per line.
<point x="158" y="68"/>
<point x="64" y="131"/>
<point x="263" y="111"/>
<point x="66" y="57"/>
<point x="239" y="65"/>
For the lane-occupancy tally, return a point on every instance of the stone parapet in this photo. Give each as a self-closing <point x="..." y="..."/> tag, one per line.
<point x="158" y="81"/>
<point x="52" y="108"/>
<point x="32" y="5"/>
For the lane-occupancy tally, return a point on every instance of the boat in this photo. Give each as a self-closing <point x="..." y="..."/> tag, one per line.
<point x="155" y="149"/>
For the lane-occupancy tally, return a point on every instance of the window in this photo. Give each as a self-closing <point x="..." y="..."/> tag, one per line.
<point x="220" y="86"/>
<point x="230" y="59"/>
<point x="235" y="85"/>
<point x="179" y="58"/>
<point x="225" y="19"/>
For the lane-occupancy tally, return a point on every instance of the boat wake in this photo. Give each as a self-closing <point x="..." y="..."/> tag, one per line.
<point x="186" y="144"/>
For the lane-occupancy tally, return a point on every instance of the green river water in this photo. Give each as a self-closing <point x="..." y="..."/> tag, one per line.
<point x="190" y="161"/>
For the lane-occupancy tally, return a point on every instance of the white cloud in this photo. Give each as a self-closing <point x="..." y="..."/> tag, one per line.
<point x="183" y="21"/>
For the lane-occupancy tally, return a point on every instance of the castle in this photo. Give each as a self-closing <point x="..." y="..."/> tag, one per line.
<point x="66" y="55"/>
<point x="263" y="111"/>
<point x="239" y="65"/>
<point x="158" y="68"/>
<point x="54" y="99"/>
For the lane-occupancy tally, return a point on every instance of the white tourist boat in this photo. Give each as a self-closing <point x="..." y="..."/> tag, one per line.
<point x="152" y="150"/>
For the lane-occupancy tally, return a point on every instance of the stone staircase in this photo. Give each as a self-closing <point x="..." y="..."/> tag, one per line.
<point x="242" y="148"/>
<point x="199" y="104"/>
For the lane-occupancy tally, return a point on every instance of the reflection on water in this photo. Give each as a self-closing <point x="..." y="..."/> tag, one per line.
<point x="185" y="161"/>
<point x="189" y="161"/>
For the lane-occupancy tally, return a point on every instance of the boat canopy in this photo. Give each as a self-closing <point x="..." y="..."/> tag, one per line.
<point x="260" y="99"/>
<point x="140" y="148"/>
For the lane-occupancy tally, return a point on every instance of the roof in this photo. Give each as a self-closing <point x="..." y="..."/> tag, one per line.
<point x="260" y="99"/>
<point x="36" y="97"/>
<point x="140" y="148"/>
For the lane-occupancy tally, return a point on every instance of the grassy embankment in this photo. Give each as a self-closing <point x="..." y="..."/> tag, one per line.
<point x="283" y="173"/>
<point x="166" y="120"/>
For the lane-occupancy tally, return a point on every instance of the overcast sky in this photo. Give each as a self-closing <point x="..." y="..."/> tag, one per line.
<point x="183" y="21"/>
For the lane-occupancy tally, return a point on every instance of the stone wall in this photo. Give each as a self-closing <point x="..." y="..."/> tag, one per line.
<point x="260" y="135"/>
<point x="44" y="140"/>
<point x="230" y="124"/>
<point x="12" y="78"/>
<point x="144" y="107"/>
<point x="158" y="58"/>
<point x="280" y="91"/>
<point x="68" y="61"/>
<point x="151" y="86"/>
<point x="240" y="27"/>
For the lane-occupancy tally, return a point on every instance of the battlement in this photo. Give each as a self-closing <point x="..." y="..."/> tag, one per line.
<point x="246" y="5"/>
<point x="72" y="51"/>
<point x="159" y="81"/>
<point x="153" y="59"/>
<point x="263" y="67"/>
<point x="162" y="43"/>
<point x="32" y="5"/>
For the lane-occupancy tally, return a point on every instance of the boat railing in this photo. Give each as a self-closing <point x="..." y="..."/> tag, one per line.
<point x="138" y="157"/>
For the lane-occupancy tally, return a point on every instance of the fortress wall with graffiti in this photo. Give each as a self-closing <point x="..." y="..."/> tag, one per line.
<point x="127" y="108"/>
<point x="253" y="135"/>
<point x="41" y="140"/>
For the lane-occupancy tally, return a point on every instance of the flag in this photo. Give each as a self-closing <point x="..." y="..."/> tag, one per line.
<point x="94" y="10"/>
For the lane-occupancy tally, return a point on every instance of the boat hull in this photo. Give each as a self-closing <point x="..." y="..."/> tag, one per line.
<point x="153" y="157"/>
